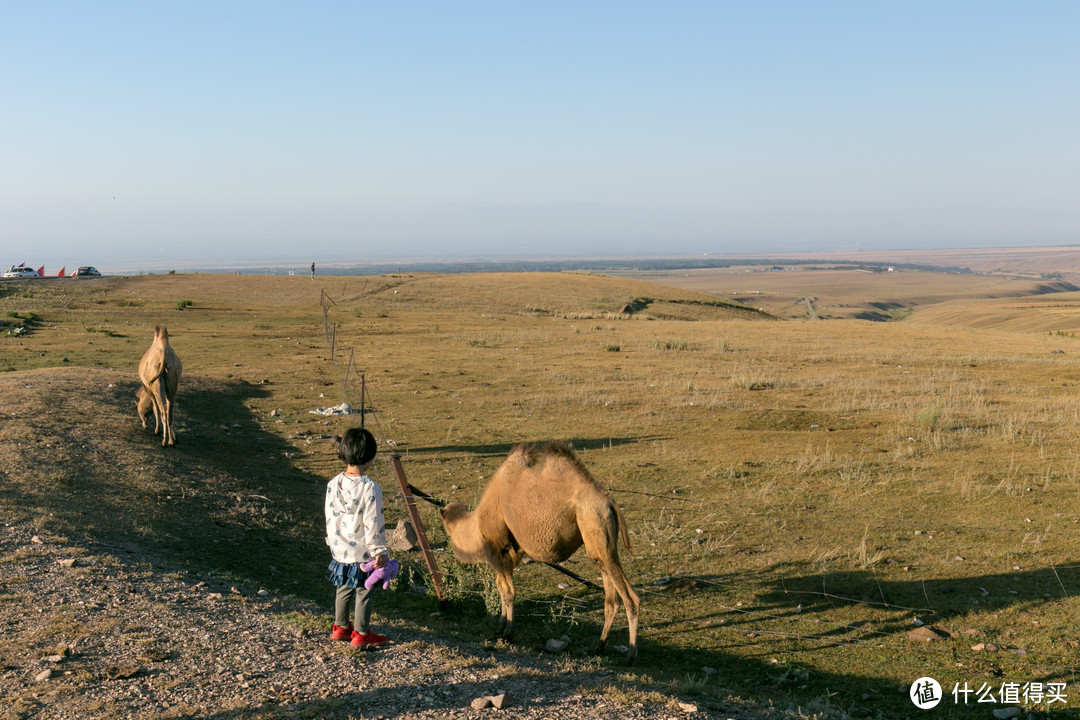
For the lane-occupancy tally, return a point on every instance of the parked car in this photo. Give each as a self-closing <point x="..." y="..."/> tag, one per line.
<point x="85" y="272"/>
<point x="21" y="272"/>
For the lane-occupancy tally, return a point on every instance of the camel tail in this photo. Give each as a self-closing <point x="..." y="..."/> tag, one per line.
<point x="624" y="534"/>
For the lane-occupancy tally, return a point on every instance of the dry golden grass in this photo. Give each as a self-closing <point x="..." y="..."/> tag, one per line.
<point x="798" y="491"/>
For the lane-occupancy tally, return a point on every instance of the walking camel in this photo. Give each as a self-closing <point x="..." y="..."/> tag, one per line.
<point x="159" y="371"/>
<point x="543" y="503"/>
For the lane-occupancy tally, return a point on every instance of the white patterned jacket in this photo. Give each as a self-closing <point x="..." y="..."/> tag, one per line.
<point x="355" y="527"/>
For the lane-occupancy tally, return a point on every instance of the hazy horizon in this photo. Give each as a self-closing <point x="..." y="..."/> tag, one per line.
<point x="151" y="136"/>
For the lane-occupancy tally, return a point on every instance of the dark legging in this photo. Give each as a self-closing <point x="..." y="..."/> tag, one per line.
<point x="361" y="611"/>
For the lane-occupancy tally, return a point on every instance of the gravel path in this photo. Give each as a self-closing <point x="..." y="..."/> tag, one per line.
<point x="101" y="633"/>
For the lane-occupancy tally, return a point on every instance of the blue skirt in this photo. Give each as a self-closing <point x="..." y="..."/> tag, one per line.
<point x="346" y="574"/>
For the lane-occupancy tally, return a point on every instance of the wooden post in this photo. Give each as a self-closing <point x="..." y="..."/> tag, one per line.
<point x="421" y="534"/>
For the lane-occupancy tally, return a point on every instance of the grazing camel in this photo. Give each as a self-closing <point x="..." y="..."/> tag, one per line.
<point x="542" y="502"/>
<point x="159" y="371"/>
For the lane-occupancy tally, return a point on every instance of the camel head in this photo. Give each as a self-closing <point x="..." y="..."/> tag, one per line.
<point x="460" y="525"/>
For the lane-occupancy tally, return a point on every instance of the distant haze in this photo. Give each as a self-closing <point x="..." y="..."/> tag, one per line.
<point x="141" y="136"/>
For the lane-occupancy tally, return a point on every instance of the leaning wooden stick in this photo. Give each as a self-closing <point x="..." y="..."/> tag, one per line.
<point x="421" y="534"/>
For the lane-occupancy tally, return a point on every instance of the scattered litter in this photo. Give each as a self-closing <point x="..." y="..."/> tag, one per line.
<point x="342" y="409"/>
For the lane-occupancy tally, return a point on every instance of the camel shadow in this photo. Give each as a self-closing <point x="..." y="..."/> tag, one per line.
<point x="860" y="606"/>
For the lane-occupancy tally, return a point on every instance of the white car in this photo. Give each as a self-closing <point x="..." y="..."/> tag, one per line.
<point x="21" y="272"/>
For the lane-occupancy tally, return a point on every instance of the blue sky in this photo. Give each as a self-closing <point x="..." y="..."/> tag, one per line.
<point x="139" y="133"/>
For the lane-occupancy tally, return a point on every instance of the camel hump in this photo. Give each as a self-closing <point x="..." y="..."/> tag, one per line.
<point x="161" y="333"/>
<point x="532" y="454"/>
<point x="563" y="449"/>
<point x="527" y="454"/>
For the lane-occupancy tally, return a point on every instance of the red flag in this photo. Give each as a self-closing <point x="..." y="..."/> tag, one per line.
<point x="41" y="271"/>
<point x="61" y="273"/>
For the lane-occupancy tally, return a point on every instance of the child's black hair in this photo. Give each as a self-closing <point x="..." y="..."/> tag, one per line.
<point x="357" y="447"/>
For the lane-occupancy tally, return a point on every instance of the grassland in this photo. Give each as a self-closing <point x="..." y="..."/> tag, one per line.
<point x="801" y="493"/>
<point x="847" y="291"/>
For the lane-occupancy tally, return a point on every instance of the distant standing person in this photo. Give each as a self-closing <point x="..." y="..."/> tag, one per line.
<point x="312" y="271"/>
<point x="356" y="534"/>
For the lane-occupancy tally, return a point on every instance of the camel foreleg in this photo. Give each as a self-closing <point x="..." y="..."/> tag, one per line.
<point x="504" y="581"/>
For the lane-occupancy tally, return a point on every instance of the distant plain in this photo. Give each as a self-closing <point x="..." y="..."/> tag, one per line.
<point x="803" y="493"/>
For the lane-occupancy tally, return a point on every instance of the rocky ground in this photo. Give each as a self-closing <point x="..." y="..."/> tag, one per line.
<point x="99" y="632"/>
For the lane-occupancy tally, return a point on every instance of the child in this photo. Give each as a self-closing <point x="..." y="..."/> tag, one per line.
<point x="356" y="533"/>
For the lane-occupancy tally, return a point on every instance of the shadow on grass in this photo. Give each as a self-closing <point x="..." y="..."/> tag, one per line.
<point x="795" y="612"/>
<point x="502" y="449"/>
<point x="225" y="501"/>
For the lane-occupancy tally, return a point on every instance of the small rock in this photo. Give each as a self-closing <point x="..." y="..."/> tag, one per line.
<point x="709" y="671"/>
<point x="688" y="707"/>
<point x="54" y="658"/>
<point x="500" y="701"/>
<point x="235" y="591"/>
<point x="37" y="541"/>
<point x="43" y="676"/>
<point x="152" y="655"/>
<point x="403" y="537"/>
<point x="263" y="592"/>
<point x="481" y="703"/>
<point x="122" y="672"/>
<point x="70" y="562"/>
<point x="555" y="646"/>
<point x="927" y="633"/>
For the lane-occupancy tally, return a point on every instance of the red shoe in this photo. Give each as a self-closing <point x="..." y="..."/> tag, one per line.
<point x="367" y="640"/>
<point x="341" y="633"/>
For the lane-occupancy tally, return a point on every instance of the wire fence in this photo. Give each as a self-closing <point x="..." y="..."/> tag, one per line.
<point x="752" y="626"/>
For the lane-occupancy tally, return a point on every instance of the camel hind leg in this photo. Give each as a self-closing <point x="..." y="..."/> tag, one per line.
<point x="601" y="537"/>
<point x="616" y="588"/>
<point x="168" y="436"/>
<point x="163" y="408"/>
